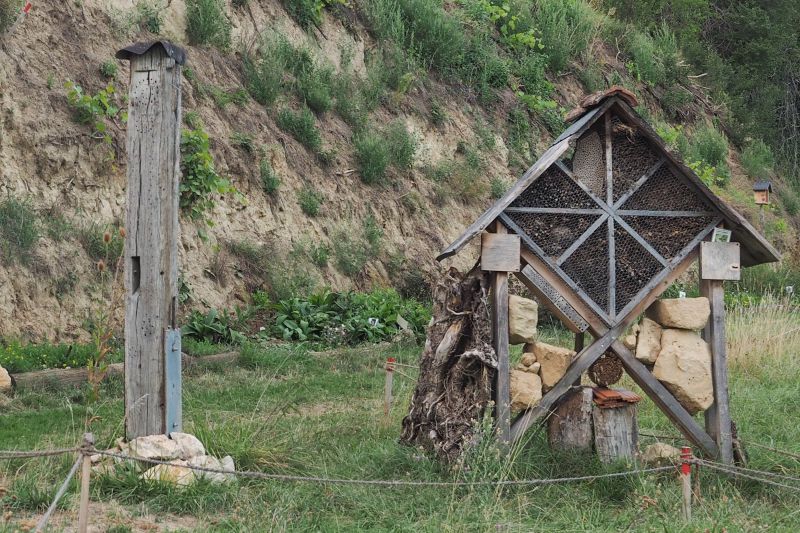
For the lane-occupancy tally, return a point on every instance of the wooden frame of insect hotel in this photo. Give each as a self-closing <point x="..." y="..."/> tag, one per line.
<point x="597" y="229"/>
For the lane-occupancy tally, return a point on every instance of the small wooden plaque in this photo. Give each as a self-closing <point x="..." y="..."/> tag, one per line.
<point x="720" y="261"/>
<point x="500" y="252"/>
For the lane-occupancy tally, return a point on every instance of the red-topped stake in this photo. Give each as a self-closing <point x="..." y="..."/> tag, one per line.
<point x="686" y="479"/>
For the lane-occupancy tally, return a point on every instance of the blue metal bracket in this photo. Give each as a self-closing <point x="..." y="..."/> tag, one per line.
<point x="172" y="373"/>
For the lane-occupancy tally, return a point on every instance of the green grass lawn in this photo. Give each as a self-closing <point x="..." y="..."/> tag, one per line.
<point x="286" y="410"/>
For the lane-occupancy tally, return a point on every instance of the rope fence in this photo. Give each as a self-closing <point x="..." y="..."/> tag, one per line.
<point x="783" y="481"/>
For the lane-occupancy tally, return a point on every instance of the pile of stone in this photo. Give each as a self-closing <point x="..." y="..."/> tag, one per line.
<point x="5" y="380"/>
<point x="667" y="341"/>
<point x="542" y="365"/>
<point x="180" y="449"/>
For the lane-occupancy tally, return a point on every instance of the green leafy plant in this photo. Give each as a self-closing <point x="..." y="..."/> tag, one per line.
<point x="402" y="145"/>
<point x="17" y="357"/>
<point x="708" y="145"/>
<point x="263" y="74"/>
<point x="207" y="23"/>
<point x="148" y="15"/>
<point x="218" y="327"/>
<point x="19" y="231"/>
<point x="199" y="179"/>
<point x="310" y="200"/>
<point x="302" y="126"/>
<point x="99" y="110"/>
<point x="109" y="69"/>
<point x="314" y="87"/>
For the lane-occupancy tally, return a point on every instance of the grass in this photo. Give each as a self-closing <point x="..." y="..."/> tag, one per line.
<point x="208" y="24"/>
<point x="302" y="126"/>
<point x="288" y="410"/>
<point x="9" y="10"/>
<point x="310" y="200"/>
<point x="20" y="357"/>
<point x="19" y="231"/>
<point x="269" y="179"/>
<point x="372" y="156"/>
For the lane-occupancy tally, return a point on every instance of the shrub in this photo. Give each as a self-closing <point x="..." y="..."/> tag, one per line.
<point x="207" y="23"/>
<point x="349" y="101"/>
<point x="791" y="202"/>
<point x="519" y="130"/>
<point x="306" y="13"/>
<point x="243" y="141"/>
<point x="402" y="145"/>
<point x="757" y="159"/>
<point x="373" y="156"/>
<point x="148" y="15"/>
<point x="264" y="76"/>
<point x="655" y="58"/>
<point x="193" y="120"/>
<point x="199" y="179"/>
<point x="302" y="126"/>
<point x="19" y="231"/>
<point x="310" y="201"/>
<point x="351" y="253"/>
<point x="95" y="110"/>
<point x="269" y="180"/>
<point x="109" y="69"/>
<point x="709" y="146"/>
<point x="373" y="234"/>
<point x="674" y="99"/>
<point x="438" y="113"/>
<point x="9" y="11"/>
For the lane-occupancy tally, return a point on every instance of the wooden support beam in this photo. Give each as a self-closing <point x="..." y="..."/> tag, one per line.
<point x="554" y="210"/>
<point x="151" y="242"/>
<point x="641" y="181"/>
<point x="665" y="400"/>
<point x="502" y="397"/>
<point x="582" y="239"/>
<point x="612" y="271"/>
<point x="551" y="299"/>
<point x="718" y="417"/>
<point x="656" y="213"/>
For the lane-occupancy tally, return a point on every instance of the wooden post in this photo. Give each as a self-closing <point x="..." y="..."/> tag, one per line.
<point x="151" y="242"/>
<point x="502" y="390"/>
<point x="387" y="390"/>
<point x="718" y="261"/>
<point x="86" y="472"/>
<point x="686" y="483"/>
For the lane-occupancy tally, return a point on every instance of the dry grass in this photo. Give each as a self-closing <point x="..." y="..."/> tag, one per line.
<point x="764" y="337"/>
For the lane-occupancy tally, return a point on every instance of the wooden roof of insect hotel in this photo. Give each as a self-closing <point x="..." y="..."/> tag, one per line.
<point x="616" y="213"/>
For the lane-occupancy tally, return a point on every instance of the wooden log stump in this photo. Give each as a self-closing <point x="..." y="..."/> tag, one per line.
<point x="569" y="428"/>
<point x="457" y="368"/>
<point x="616" y="432"/>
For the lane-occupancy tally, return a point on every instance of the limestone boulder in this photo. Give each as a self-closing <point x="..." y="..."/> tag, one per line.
<point x="207" y="461"/>
<point x="523" y="316"/>
<point x="526" y="389"/>
<point x="684" y="367"/>
<point x="648" y="342"/>
<point x="171" y="474"/>
<point x="681" y="313"/>
<point x="5" y="380"/>
<point x="630" y="342"/>
<point x="660" y="454"/>
<point x="189" y="445"/>
<point x="554" y="361"/>
<point x="154" y="447"/>
<point x="528" y="357"/>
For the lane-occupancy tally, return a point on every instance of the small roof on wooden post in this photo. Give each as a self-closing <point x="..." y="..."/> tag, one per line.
<point x="762" y="185"/>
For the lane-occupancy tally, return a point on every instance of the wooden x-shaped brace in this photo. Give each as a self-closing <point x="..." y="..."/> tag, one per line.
<point x="606" y="339"/>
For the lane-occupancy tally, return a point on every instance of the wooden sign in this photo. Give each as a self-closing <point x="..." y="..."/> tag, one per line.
<point x="500" y="252"/>
<point x="720" y="261"/>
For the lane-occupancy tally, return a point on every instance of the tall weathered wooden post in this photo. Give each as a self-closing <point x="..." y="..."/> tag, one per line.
<point x="152" y="338"/>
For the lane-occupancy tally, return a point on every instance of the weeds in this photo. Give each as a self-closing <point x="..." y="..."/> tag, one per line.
<point x="207" y="23"/>
<point x="19" y="231"/>
<point x="264" y="75"/>
<point x="101" y="242"/>
<point x="100" y="111"/>
<point x="497" y="188"/>
<point x="567" y="27"/>
<point x="757" y="159"/>
<point x="402" y="145"/>
<point x="302" y="126"/>
<point x="17" y="357"/>
<point x="314" y="88"/>
<point x="9" y="11"/>
<point x="243" y="141"/>
<point x="310" y="201"/>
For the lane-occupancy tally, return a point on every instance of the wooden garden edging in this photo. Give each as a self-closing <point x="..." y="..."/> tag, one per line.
<point x="60" y="378"/>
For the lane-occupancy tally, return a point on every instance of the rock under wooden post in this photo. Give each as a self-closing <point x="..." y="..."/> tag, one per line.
<point x="151" y="240"/>
<point x="616" y="432"/>
<point x="569" y="427"/>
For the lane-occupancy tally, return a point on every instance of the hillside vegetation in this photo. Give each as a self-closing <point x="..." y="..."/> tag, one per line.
<point x="343" y="144"/>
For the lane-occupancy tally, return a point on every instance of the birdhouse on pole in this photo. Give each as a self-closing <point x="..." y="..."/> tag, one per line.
<point x="761" y="192"/>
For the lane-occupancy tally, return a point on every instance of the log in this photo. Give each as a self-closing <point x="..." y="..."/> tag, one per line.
<point x="570" y="425"/>
<point x="60" y="378"/>
<point x="457" y="368"/>
<point x="616" y="432"/>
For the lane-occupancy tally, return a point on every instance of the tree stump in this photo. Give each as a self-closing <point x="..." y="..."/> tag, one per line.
<point x="570" y="425"/>
<point x="457" y="368"/>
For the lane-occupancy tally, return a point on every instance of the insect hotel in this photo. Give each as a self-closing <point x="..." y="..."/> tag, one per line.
<point x="597" y="229"/>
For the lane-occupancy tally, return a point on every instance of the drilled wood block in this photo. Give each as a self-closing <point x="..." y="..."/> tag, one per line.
<point x="500" y="253"/>
<point x="720" y="261"/>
